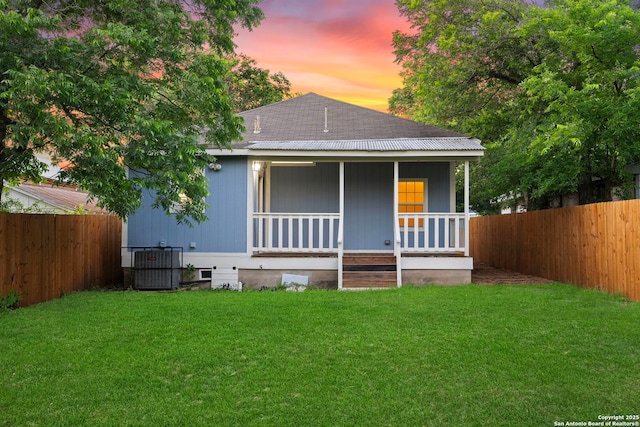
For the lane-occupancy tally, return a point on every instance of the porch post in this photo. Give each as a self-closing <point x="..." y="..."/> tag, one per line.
<point x="341" y="225"/>
<point x="466" y="208"/>
<point x="251" y="183"/>
<point x="396" y="224"/>
<point x="452" y="187"/>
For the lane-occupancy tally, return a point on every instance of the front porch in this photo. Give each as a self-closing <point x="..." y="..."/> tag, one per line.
<point x="371" y="235"/>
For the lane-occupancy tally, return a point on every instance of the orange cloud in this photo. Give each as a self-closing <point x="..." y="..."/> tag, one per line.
<point x="337" y="48"/>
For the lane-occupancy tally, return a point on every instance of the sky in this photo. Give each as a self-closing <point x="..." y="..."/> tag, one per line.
<point x="336" y="48"/>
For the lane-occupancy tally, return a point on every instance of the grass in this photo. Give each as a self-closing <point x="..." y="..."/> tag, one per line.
<point x="465" y="356"/>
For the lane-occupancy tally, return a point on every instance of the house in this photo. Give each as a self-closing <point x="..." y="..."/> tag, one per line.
<point x="634" y="169"/>
<point x="345" y="196"/>
<point x="50" y="197"/>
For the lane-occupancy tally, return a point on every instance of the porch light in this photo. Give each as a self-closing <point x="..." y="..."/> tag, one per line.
<point x="257" y="166"/>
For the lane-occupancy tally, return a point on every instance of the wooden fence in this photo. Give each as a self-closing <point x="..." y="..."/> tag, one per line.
<point x="593" y="246"/>
<point x="46" y="256"/>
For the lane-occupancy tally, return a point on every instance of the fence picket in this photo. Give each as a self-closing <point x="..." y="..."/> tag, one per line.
<point x="595" y="246"/>
<point x="46" y="256"/>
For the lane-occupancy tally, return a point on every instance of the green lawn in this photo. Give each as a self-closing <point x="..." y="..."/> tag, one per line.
<point x="461" y="356"/>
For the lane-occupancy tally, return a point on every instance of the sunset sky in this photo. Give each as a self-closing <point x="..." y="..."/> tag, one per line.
<point x="336" y="48"/>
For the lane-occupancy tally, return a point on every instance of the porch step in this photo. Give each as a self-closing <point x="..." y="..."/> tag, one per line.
<point x="368" y="279"/>
<point x="368" y="259"/>
<point x="361" y="271"/>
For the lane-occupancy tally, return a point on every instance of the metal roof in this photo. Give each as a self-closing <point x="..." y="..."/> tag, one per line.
<point x="392" y="144"/>
<point x="62" y="197"/>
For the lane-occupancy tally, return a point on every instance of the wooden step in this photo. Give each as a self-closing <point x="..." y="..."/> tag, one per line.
<point x="369" y="279"/>
<point x="368" y="259"/>
<point x="356" y="267"/>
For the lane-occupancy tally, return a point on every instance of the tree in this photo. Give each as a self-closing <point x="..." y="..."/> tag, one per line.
<point x="251" y="86"/>
<point x="583" y="100"/>
<point x="551" y="91"/>
<point x="123" y="90"/>
<point x="463" y="60"/>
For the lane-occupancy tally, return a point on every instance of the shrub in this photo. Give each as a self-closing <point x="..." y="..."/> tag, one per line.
<point x="10" y="301"/>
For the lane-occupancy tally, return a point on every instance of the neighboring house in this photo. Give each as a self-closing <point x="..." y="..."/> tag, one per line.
<point x="47" y="197"/>
<point x="346" y="196"/>
<point x="634" y="169"/>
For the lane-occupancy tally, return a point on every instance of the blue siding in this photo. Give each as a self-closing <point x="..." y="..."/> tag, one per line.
<point x="305" y="189"/>
<point x="226" y="229"/>
<point x="437" y="173"/>
<point x="368" y="206"/>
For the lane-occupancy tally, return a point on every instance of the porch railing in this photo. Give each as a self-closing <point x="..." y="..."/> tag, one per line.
<point x="295" y="232"/>
<point x="319" y="232"/>
<point x="432" y="232"/>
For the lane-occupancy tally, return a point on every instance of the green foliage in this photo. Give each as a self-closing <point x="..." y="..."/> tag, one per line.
<point x="16" y="206"/>
<point x="251" y="86"/>
<point x="10" y="301"/>
<point x="583" y="99"/>
<point x="119" y="85"/>
<point x="553" y="92"/>
<point x="11" y="205"/>
<point x="189" y="272"/>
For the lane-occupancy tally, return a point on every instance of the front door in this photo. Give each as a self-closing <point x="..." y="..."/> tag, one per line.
<point x="368" y="206"/>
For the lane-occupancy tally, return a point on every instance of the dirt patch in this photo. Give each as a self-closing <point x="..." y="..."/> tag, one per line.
<point x="487" y="275"/>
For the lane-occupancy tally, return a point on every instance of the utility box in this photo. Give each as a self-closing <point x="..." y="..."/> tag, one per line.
<point x="156" y="269"/>
<point x="225" y="278"/>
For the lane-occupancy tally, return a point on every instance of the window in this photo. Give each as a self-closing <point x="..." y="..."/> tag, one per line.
<point x="179" y="206"/>
<point x="183" y="199"/>
<point x="412" y="197"/>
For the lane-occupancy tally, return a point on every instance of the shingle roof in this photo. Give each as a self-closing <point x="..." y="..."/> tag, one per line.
<point x="303" y="119"/>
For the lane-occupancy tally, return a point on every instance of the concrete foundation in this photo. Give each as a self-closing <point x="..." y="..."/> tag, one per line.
<point x="256" y="279"/>
<point x="328" y="279"/>
<point x="436" y="277"/>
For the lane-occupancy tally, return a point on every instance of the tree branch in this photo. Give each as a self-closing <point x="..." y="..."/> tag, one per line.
<point x="36" y="4"/>
<point x="504" y="9"/>
<point x="503" y="77"/>
<point x="595" y="55"/>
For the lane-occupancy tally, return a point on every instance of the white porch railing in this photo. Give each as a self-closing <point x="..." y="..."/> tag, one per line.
<point x="295" y="232"/>
<point x="432" y="232"/>
<point x="320" y="232"/>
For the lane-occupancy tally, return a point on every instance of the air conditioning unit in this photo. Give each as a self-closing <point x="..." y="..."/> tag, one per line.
<point x="156" y="269"/>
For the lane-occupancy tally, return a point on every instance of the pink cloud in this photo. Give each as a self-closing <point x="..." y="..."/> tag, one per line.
<point x="338" y="48"/>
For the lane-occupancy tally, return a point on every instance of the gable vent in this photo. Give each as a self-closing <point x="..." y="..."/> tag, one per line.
<point x="256" y="125"/>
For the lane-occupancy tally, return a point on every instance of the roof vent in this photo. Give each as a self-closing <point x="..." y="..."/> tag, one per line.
<point x="326" y="119"/>
<point x="256" y="125"/>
